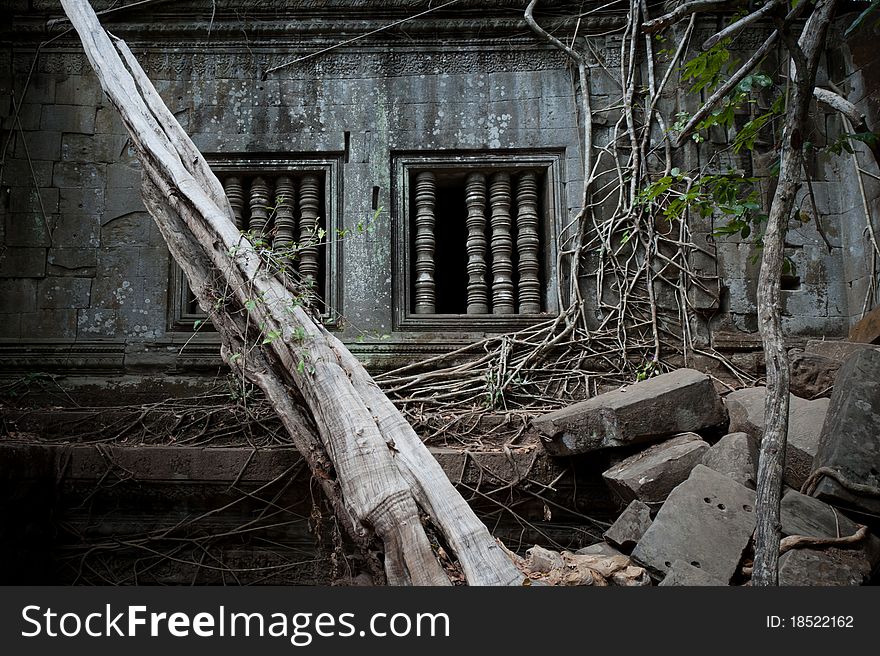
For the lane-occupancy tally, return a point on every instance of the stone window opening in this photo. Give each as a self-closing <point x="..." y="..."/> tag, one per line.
<point x="283" y="205"/>
<point x="478" y="242"/>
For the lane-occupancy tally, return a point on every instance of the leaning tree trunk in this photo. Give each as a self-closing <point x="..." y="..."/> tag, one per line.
<point x="805" y="54"/>
<point x="372" y="466"/>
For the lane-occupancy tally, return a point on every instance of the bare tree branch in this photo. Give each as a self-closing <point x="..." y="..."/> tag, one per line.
<point x="737" y="26"/>
<point x="686" y="9"/>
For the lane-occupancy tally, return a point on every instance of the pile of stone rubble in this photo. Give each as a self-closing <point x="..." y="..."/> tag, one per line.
<point x="690" y="485"/>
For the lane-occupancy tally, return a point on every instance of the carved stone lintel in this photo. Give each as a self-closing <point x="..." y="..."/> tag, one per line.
<point x="259" y="202"/>
<point x="477" y="289"/>
<point x="425" y="292"/>
<point x="503" y="301"/>
<point x="235" y="193"/>
<point x="309" y="203"/>
<point x="527" y="243"/>
<point x="285" y="222"/>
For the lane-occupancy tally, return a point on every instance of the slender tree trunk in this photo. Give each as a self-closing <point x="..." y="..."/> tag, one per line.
<point x="371" y="464"/>
<point x="806" y="55"/>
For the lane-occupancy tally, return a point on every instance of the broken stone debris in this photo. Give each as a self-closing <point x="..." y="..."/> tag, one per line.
<point x="735" y="455"/>
<point x="812" y="375"/>
<point x="651" y="475"/>
<point x="803" y="515"/>
<point x="681" y="401"/>
<point x="825" y="567"/>
<point x="707" y="521"/>
<point x="598" y="549"/>
<point x="685" y="574"/>
<point x="630" y="526"/>
<point x="700" y="534"/>
<point x="850" y="436"/>
<point x="805" y="418"/>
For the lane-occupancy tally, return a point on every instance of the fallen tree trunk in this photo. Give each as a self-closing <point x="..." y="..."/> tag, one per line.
<point x="373" y="467"/>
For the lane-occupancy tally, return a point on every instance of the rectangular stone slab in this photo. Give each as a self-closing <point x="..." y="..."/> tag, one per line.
<point x="746" y="409"/>
<point x="707" y="521"/>
<point x="651" y="475"/>
<point x="630" y="526"/>
<point x="678" y="402"/>
<point x="850" y="439"/>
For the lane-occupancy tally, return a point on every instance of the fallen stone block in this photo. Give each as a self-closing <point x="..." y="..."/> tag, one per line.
<point x="803" y="515"/>
<point x="805" y="418"/>
<point x="835" y="349"/>
<point x="681" y="401"/>
<point x="825" y="567"/>
<point x="850" y="440"/>
<point x="868" y="329"/>
<point x="629" y="527"/>
<point x="812" y="375"/>
<point x="707" y="521"/>
<point x="599" y="549"/>
<point x="735" y="455"/>
<point x="652" y="474"/>
<point x="685" y="574"/>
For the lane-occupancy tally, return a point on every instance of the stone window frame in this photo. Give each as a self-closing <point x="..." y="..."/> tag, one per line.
<point x="181" y="319"/>
<point x="405" y="164"/>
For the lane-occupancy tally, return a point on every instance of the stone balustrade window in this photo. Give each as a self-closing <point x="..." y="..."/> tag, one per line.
<point x="283" y="205"/>
<point x="477" y="241"/>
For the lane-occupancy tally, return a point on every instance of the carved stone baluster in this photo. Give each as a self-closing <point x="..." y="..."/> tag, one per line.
<point x="527" y="243"/>
<point x="285" y="222"/>
<point x="502" y="245"/>
<point x="309" y="205"/>
<point x="425" y="290"/>
<point x="477" y="289"/>
<point x="259" y="202"/>
<point x="235" y="193"/>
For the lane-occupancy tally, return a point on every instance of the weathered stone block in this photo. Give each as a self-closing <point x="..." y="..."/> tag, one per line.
<point x="746" y="409"/>
<point x="26" y="229"/>
<point x="18" y="295"/>
<point x="678" y="402"/>
<point x="804" y="515"/>
<point x="629" y="527"/>
<point x="838" y="350"/>
<point x="850" y="441"/>
<point x="38" y="145"/>
<point x="76" y="200"/>
<point x="96" y="322"/>
<point x="812" y="375"/>
<point x="106" y="148"/>
<point x="78" y="175"/>
<point x="47" y="324"/>
<point x="28" y="199"/>
<point x="652" y="474"/>
<point x="77" y="230"/>
<point x="68" y="118"/>
<point x="79" y="90"/>
<point x="735" y="455"/>
<point x="599" y="549"/>
<point x="23" y="263"/>
<point x="72" y="262"/>
<point x="707" y="521"/>
<point x="867" y="330"/>
<point x="685" y="574"/>
<point x="823" y="567"/>
<point x="54" y="293"/>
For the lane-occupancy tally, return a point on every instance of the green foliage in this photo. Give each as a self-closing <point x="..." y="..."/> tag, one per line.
<point x="706" y="69"/>
<point x="648" y="369"/>
<point x="860" y="19"/>
<point x="844" y="142"/>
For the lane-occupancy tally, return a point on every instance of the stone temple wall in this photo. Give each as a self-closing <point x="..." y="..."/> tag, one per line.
<point x="86" y="283"/>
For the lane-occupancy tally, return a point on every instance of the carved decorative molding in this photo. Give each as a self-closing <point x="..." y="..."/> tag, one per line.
<point x="424" y="223"/>
<point x="527" y="243"/>
<point x="235" y="193"/>
<point x="259" y="204"/>
<point x="503" y="297"/>
<point x="285" y="221"/>
<point x="477" y="289"/>
<point x="309" y="203"/>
